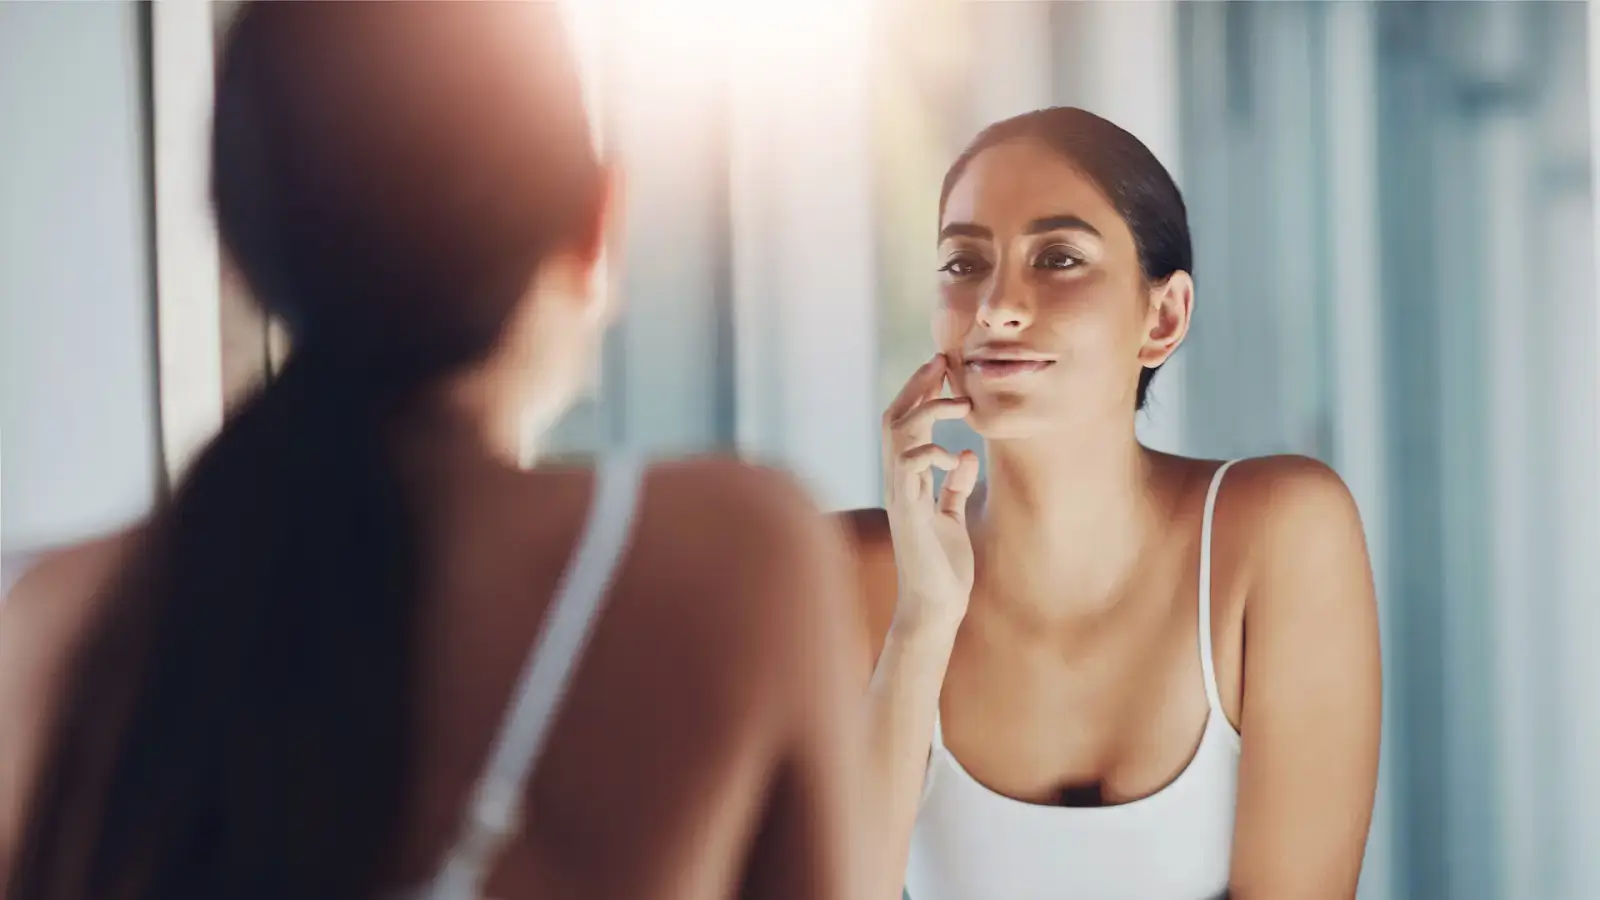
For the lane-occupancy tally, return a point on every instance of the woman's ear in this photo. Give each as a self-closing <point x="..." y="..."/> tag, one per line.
<point x="607" y="259"/>
<point x="582" y="270"/>
<point x="1171" y="304"/>
<point x="608" y="208"/>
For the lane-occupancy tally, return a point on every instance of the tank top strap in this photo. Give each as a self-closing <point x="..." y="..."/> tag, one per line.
<point x="493" y="814"/>
<point x="936" y="750"/>
<point x="1207" y="657"/>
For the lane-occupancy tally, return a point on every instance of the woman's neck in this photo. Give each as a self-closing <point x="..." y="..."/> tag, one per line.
<point x="489" y="406"/>
<point x="1066" y="520"/>
<point x="467" y="417"/>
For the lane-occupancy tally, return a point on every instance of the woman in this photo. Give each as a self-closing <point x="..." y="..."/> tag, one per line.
<point x="327" y="666"/>
<point x="1129" y="674"/>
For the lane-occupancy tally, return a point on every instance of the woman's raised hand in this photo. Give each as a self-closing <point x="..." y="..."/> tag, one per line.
<point x="932" y="549"/>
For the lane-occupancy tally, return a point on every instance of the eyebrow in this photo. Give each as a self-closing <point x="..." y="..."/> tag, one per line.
<point x="1037" y="226"/>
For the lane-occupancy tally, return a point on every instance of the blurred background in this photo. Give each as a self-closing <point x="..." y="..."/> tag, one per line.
<point x="1392" y="204"/>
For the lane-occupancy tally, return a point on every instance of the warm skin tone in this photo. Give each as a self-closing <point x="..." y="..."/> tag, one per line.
<point x="1057" y="630"/>
<point x="708" y="745"/>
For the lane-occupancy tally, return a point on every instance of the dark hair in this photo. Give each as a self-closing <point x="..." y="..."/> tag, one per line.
<point x="238" y="721"/>
<point x="1130" y="176"/>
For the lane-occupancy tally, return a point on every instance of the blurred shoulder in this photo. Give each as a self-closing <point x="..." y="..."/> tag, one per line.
<point x="762" y="510"/>
<point x="737" y="566"/>
<point x="42" y="617"/>
<point x="684" y="504"/>
<point x="732" y="532"/>
<point x="55" y="593"/>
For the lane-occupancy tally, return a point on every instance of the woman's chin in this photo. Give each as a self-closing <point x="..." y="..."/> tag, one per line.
<point x="996" y="420"/>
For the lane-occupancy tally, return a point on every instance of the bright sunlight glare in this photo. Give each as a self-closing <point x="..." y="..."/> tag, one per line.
<point x="757" y="40"/>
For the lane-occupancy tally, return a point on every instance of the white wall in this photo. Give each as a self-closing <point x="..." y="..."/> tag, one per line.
<point x="77" y="410"/>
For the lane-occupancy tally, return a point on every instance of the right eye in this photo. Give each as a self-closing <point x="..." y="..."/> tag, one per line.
<point x="962" y="266"/>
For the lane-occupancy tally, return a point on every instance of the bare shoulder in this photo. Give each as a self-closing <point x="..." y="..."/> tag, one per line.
<point x="41" y="619"/>
<point x="722" y="618"/>
<point x="1287" y="476"/>
<point x="760" y="516"/>
<point x="1299" y="522"/>
<point x="53" y="599"/>
<point x="1291" y="500"/>
<point x="747" y="542"/>
<point x="733" y="591"/>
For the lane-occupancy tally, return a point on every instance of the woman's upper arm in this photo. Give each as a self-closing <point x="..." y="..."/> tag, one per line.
<point x="813" y="841"/>
<point x="1312" y="691"/>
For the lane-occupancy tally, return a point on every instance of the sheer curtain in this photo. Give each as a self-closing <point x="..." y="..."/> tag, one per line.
<point x="1393" y="209"/>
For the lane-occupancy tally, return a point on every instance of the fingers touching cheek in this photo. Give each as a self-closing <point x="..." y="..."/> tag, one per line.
<point x="949" y="333"/>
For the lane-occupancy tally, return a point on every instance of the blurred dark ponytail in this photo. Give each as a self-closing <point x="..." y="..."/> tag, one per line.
<point x="238" y="722"/>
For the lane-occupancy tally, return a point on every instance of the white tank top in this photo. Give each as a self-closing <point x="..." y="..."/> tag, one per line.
<point x="971" y="843"/>
<point x="494" y="812"/>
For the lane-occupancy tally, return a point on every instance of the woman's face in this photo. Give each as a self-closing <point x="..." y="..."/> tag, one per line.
<point x="1044" y="312"/>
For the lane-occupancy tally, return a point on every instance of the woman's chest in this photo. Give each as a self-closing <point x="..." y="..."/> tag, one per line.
<point x="1061" y="723"/>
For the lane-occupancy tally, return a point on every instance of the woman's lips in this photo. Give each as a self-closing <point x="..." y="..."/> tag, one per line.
<point x="1007" y="368"/>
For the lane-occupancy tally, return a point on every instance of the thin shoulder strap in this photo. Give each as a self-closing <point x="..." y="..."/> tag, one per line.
<point x="1207" y="664"/>
<point x="936" y="749"/>
<point x="494" y="811"/>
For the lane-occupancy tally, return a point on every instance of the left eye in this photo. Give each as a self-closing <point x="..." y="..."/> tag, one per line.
<point x="1057" y="258"/>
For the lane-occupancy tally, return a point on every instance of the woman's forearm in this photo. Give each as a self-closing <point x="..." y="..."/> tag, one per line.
<point x="903" y="700"/>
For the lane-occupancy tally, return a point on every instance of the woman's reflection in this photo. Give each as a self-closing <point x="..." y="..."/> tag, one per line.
<point x="1065" y="701"/>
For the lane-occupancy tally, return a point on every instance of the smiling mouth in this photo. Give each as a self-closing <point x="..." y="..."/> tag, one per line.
<point x="1007" y="368"/>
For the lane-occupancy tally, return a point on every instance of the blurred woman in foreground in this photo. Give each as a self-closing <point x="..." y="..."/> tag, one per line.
<point x="360" y="652"/>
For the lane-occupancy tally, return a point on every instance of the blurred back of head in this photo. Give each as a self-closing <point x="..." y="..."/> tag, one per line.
<point x="388" y="176"/>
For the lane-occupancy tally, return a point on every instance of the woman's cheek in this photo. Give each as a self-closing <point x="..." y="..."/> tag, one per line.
<point x="950" y="326"/>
